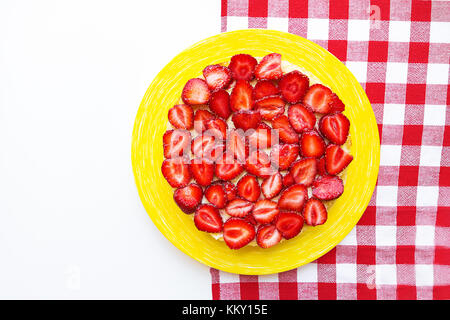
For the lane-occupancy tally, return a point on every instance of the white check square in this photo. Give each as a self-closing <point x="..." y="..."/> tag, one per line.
<point x="385" y="274"/>
<point x="277" y="23"/>
<point x="358" y="30"/>
<point x="424" y="274"/>
<point x="396" y="72"/>
<point x="350" y="239"/>
<point x="394" y="114"/>
<point x="237" y="23"/>
<point x="226" y="277"/>
<point x="346" y="273"/>
<point x="359" y="70"/>
<point x="386" y="235"/>
<point x="434" y="115"/>
<point x="425" y="235"/>
<point x="390" y="155"/>
<point x="430" y="156"/>
<point x="437" y="73"/>
<point x="307" y="273"/>
<point x="427" y="196"/>
<point x="399" y="31"/>
<point x="387" y="196"/>
<point x="439" y="32"/>
<point x="318" y="29"/>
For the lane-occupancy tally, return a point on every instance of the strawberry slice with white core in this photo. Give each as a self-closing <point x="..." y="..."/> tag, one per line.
<point x="272" y="185"/>
<point x="328" y="188"/>
<point x="202" y="146"/>
<point x="335" y="127"/>
<point x="268" y="236"/>
<point x="202" y="170"/>
<point x="237" y="233"/>
<point x="217" y="76"/>
<point x="261" y="137"/>
<point x="227" y="168"/>
<point x="176" y="171"/>
<point x="242" y="67"/>
<point x="314" y="212"/>
<point x="181" y="116"/>
<point x="236" y="144"/>
<point x="201" y="118"/>
<point x="176" y="143"/>
<point x="230" y="190"/>
<point x="196" y="92"/>
<point x="248" y="188"/>
<point x="216" y="195"/>
<point x="241" y="96"/>
<point x="284" y="155"/>
<point x="259" y="164"/>
<point x="217" y="127"/>
<point x="188" y="198"/>
<point x="239" y="208"/>
<point x="286" y="132"/>
<point x="265" y="211"/>
<point x="293" y="86"/>
<point x="304" y="171"/>
<point x="220" y="103"/>
<point x="336" y="159"/>
<point x="301" y="118"/>
<point x="264" y="88"/>
<point x="289" y="224"/>
<point x="312" y="144"/>
<point x="270" y="107"/>
<point x="269" y="68"/>
<point x="246" y="119"/>
<point x="207" y="218"/>
<point x="318" y="98"/>
<point x="293" y="198"/>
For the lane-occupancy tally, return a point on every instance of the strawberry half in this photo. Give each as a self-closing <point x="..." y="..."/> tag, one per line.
<point x="246" y="119"/>
<point x="217" y="76"/>
<point x="188" y="198"/>
<point x="293" y="86"/>
<point x="176" y="171"/>
<point x="269" y="68"/>
<point x="181" y="116"/>
<point x="241" y="96"/>
<point x="314" y="212"/>
<point x="216" y="195"/>
<point x="289" y="224"/>
<point x="242" y="67"/>
<point x="328" y="188"/>
<point x="230" y="190"/>
<point x="203" y="146"/>
<point x="237" y="233"/>
<point x="318" y="98"/>
<point x="236" y="144"/>
<point x="270" y="107"/>
<point x="312" y="144"/>
<point x="293" y="198"/>
<point x="284" y="155"/>
<point x="195" y="92"/>
<point x="217" y="127"/>
<point x="220" y="103"/>
<point x="335" y="127"/>
<point x="207" y="218"/>
<point x="202" y="170"/>
<point x="176" y="142"/>
<point x="301" y="118"/>
<point x="248" y="188"/>
<point x="261" y="137"/>
<point x="336" y="104"/>
<point x="227" y="168"/>
<point x="272" y="185"/>
<point x="239" y="208"/>
<point x="264" y="88"/>
<point x="201" y="118"/>
<point x="288" y="180"/>
<point x="258" y="164"/>
<point x="304" y="171"/>
<point x="265" y="211"/>
<point x="268" y="236"/>
<point x="286" y="133"/>
<point x="336" y="159"/>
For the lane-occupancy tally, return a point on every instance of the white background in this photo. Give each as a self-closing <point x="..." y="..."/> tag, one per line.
<point x="72" y="74"/>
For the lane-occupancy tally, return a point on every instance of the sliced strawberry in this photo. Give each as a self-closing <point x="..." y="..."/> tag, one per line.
<point x="176" y="143"/>
<point x="288" y="180"/>
<point x="328" y="188"/>
<point x="248" y="188"/>
<point x="237" y="233"/>
<point x="261" y="138"/>
<point x="181" y="116"/>
<point x="217" y="127"/>
<point x="284" y="155"/>
<point x="239" y="208"/>
<point x="270" y="107"/>
<point x="202" y="146"/>
<point x="321" y="166"/>
<point x="258" y="164"/>
<point x="336" y="104"/>
<point x="230" y="190"/>
<point x="189" y="197"/>
<point x="227" y="168"/>
<point x="286" y="133"/>
<point x="241" y="96"/>
<point x="289" y="224"/>
<point x="314" y="212"/>
<point x="336" y="159"/>
<point x="312" y="144"/>
<point x="268" y="236"/>
<point x="217" y="76"/>
<point x="304" y="171"/>
<point x="264" y="88"/>
<point x="236" y="144"/>
<point x="246" y="119"/>
<point x="293" y="198"/>
<point x="293" y="86"/>
<point x="207" y="218"/>
<point x="318" y="98"/>
<point x="250" y="219"/>
<point x="220" y="103"/>
<point x="301" y="118"/>
<point x="195" y="92"/>
<point x="269" y="68"/>
<point x="217" y="152"/>
<point x="335" y="127"/>
<point x="202" y="169"/>
<point x="242" y="67"/>
<point x="216" y="195"/>
<point x="176" y="171"/>
<point x="201" y="118"/>
<point x="272" y="185"/>
<point x="265" y="211"/>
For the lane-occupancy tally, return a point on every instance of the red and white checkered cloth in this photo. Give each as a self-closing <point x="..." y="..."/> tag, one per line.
<point x="399" y="51"/>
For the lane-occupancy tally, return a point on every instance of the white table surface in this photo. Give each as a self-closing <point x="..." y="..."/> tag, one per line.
<point x="72" y="75"/>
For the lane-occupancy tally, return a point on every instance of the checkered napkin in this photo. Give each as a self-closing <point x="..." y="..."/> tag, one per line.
<point x="399" y="51"/>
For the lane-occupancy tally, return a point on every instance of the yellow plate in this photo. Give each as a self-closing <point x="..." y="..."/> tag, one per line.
<point x="156" y="194"/>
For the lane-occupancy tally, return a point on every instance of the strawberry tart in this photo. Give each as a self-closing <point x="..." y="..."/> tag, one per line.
<point x="255" y="150"/>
